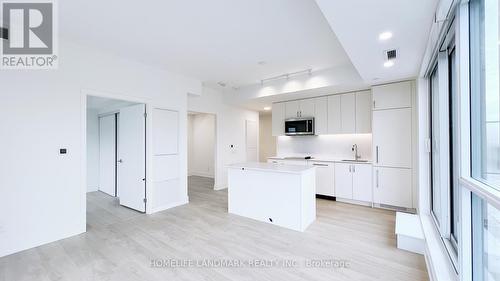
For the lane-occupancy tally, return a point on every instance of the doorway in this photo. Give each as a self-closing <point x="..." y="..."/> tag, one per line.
<point x="201" y="149"/>
<point x="116" y="155"/>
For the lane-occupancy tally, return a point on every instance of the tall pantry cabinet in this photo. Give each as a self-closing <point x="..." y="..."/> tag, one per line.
<point x="392" y="106"/>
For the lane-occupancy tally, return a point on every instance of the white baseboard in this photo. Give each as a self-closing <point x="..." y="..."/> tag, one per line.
<point x="169" y="206"/>
<point x="356" y="202"/>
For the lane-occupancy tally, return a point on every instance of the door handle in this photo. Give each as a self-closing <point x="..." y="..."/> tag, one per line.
<point x="376" y="178"/>
<point x="376" y="154"/>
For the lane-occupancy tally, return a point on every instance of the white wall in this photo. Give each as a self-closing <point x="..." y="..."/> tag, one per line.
<point x="267" y="143"/>
<point x="201" y="145"/>
<point x="43" y="194"/>
<point x="327" y="146"/>
<point x="230" y="124"/>
<point x="92" y="150"/>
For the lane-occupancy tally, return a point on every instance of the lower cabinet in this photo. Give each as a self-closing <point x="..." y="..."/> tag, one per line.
<point x="392" y="186"/>
<point x="353" y="181"/>
<point x="325" y="175"/>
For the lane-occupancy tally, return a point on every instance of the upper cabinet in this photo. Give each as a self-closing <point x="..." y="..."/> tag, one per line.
<point x="337" y="114"/>
<point x="348" y="113"/>
<point x="278" y="119"/>
<point x="321" y="115"/>
<point x="390" y="96"/>
<point x="363" y="112"/>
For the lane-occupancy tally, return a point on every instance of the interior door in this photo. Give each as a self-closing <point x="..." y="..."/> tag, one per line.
<point x="107" y="154"/>
<point x="252" y="140"/>
<point x="132" y="157"/>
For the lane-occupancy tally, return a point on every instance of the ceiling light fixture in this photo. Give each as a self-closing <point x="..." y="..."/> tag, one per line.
<point x="385" y="36"/>
<point x="389" y="63"/>
<point x="267" y="108"/>
<point x="286" y="75"/>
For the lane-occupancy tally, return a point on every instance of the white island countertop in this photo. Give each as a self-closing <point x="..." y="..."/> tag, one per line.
<point x="271" y="167"/>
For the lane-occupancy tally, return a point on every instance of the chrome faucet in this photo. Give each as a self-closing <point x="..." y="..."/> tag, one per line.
<point x="355" y="150"/>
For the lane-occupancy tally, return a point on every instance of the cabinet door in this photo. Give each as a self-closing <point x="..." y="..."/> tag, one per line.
<point x="334" y="115"/>
<point x="395" y="95"/>
<point x="321" y="116"/>
<point x="306" y="108"/>
<point x="294" y="162"/>
<point x="292" y="109"/>
<point x="392" y="138"/>
<point x="278" y="119"/>
<point x="325" y="178"/>
<point x="348" y="113"/>
<point x="392" y="186"/>
<point x="362" y="182"/>
<point x="343" y="180"/>
<point x="364" y="112"/>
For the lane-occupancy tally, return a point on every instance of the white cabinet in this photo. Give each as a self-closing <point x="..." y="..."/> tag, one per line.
<point x="278" y="119"/>
<point x="353" y="181"/>
<point x="362" y="182"/>
<point x="292" y="109"/>
<point x="396" y="95"/>
<point x="363" y="112"/>
<point x="307" y="108"/>
<point x="343" y="180"/>
<point x="348" y="113"/>
<point x="321" y="116"/>
<point x="392" y="144"/>
<point x="325" y="178"/>
<point x="300" y="108"/>
<point x="334" y="115"/>
<point x="392" y="186"/>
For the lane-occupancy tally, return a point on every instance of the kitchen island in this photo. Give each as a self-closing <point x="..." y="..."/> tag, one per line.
<point x="284" y="195"/>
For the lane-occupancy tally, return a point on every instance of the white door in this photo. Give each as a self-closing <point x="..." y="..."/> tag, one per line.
<point x="334" y="116"/>
<point x="362" y="182"/>
<point x="325" y="178"/>
<point x="278" y="116"/>
<point x="321" y="116"/>
<point x="343" y="180"/>
<point x="392" y="138"/>
<point x="392" y="186"/>
<point x="252" y="140"/>
<point x="107" y="154"/>
<point x="348" y="112"/>
<point x="292" y="109"/>
<point x="363" y="112"/>
<point x="307" y="108"/>
<point x="132" y="157"/>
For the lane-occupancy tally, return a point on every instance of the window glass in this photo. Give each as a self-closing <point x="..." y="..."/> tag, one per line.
<point x="486" y="240"/>
<point x="454" y="152"/>
<point x="485" y="96"/>
<point x="435" y="147"/>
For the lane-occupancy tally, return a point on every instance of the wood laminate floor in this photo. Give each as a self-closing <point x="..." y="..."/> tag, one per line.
<point x="120" y="244"/>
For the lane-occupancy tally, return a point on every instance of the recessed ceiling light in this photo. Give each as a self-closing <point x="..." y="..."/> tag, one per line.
<point x="389" y="63"/>
<point x="267" y="108"/>
<point x="385" y="36"/>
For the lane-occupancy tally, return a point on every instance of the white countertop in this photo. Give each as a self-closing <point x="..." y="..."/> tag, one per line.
<point x="322" y="159"/>
<point x="271" y="167"/>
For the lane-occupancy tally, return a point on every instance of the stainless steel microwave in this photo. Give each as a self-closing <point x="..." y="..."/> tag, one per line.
<point x="299" y="126"/>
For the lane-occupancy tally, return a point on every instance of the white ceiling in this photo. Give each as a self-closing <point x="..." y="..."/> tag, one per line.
<point x="357" y="24"/>
<point x="217" y="40"/>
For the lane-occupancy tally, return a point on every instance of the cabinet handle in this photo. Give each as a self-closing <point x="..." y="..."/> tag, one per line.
<point x="373" y="103"/>
<point x="376" y="178"/>
<point x="376" y="154"/>
<point x="354" y="168"/>
<point x="322" y="165"/>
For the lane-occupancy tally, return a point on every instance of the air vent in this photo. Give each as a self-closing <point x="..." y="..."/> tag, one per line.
<point x="391" y="54"/>
<point x="4" y="33"/>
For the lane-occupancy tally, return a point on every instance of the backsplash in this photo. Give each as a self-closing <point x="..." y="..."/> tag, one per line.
<point x="334" y="146"/>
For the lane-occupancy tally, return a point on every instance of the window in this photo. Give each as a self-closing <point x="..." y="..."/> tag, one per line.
<point x="454" y="189"/>
<point x="485" y="240"/>
<point x="435" y="147"/>
<point x="485" y="91"/>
